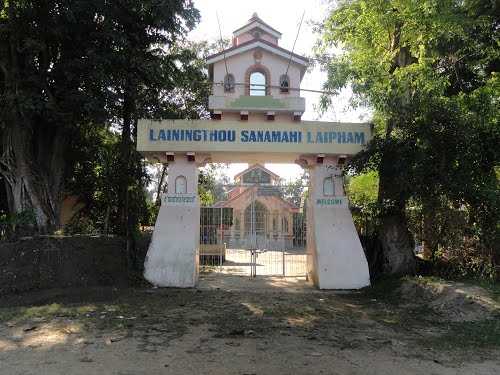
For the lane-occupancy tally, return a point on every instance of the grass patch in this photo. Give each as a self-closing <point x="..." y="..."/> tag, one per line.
<point x="51" y="311"/>
<point x="47" y="312"/>
<point x="385" y="290"/>
<point x="467" y="335"/>
<point x="493" y="288"/>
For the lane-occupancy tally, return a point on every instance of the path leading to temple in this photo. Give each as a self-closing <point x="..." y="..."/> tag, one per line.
<point x="264" y="284"/>
<point x="277" y="327"/>
<point x="238" y="262"/>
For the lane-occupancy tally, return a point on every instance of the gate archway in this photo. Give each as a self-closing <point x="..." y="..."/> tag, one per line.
<point x="246" y="128"/>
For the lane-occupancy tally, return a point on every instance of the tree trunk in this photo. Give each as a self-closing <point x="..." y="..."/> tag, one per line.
<point x="106" y="220"/>
<point x="160" y="184"/>
<point x="396" y="242"/>
<point x="128" y="218"/>
<point x="13" y="190"/>
<point x="34" y="180"/>
<point x="32" y="150"/>
<point x="430" y="229"/>
<point x="398" y="258"/>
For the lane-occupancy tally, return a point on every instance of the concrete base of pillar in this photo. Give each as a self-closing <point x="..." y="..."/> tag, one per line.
<point x="172" y="259"/>
<point x="336" y="257"/>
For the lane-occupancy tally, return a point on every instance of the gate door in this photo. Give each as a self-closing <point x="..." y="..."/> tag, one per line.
<point x="261" y="235"/>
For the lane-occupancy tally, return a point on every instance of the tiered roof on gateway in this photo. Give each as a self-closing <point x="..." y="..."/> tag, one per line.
<point x="257" y="28"/>
<point x="256" y="33"/>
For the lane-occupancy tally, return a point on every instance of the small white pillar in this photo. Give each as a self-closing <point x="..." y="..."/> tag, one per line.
<point x="172" y="258"/>
<point x="336" y="259"/>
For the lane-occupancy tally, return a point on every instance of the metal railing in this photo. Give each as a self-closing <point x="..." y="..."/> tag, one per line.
<point x="252" y="241"/>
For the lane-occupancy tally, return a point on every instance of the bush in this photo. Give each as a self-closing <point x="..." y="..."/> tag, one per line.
<point x="468" y="260"/>
<point x="17" y="225"/>
<point x="81" y="224"/>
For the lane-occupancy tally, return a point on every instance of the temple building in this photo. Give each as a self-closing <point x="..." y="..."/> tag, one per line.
<point x="261" y="216"/>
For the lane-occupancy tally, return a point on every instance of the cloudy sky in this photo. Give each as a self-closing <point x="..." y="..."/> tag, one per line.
<point x="283" y="15"/>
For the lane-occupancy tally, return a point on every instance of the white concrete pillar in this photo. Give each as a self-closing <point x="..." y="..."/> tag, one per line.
<point x="172" y="258"/>
<point x="336" y="259"/>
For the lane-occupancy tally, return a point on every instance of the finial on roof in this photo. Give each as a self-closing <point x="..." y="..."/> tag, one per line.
<point x="255" y="15"/>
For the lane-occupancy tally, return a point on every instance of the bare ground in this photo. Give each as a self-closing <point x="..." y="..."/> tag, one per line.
<point x="233" y="325"/>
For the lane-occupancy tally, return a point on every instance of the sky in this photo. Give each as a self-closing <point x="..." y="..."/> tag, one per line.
<point x="283" y="15"/>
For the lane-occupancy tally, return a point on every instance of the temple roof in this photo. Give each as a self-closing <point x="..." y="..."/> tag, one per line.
<point x="256" y="22"/>
<point x="257" y="166"/>
<point x="255" y="189"/>
<point x="264" y="44"/>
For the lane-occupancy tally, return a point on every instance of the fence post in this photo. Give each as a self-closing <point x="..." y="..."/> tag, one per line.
<point x="221" y="230"/>
<point x="283" y="252"/>
<point x="254" y="262"/>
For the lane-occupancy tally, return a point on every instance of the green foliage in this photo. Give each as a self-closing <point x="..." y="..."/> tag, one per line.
<point x="211" y="184"/>
<point x="430" y="72"/>
<point x="467" y="259"/>
<point x="159" y="82"/>
<point x="81" y="224"/>
<point x="93" y="178"/>
<point x="206" y="185"/>
<point x="51" y="84"/>
<point x="16" y="224"/>
<point x="362" y="191"/>
<point x="206" y="197"/>
<point x="295" y="191"/>
<point x="70" y="72"/>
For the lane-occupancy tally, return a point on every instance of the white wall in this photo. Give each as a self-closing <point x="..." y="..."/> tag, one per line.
<point x="259" y="117"/>
<point x="246" y="37"/>
<point x="238" y="65"/>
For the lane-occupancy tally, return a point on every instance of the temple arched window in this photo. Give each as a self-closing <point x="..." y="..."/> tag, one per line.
<point x="257" y="84"/>
<point x="284" y="84"/>
<point x="229" y="83"/>
<point x="256" y="215"/>
<point x="284" y="225"/>
<point x="180" y="185"/>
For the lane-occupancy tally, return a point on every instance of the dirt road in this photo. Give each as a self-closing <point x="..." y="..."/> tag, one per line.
<point x="272" y="326"/>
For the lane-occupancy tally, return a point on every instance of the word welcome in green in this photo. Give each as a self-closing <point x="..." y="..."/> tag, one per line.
<point x="329" y="202"/>
<point x="181" y="199"/>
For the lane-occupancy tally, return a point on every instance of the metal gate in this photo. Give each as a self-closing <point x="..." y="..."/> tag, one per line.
<point x="263" y="235"/>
